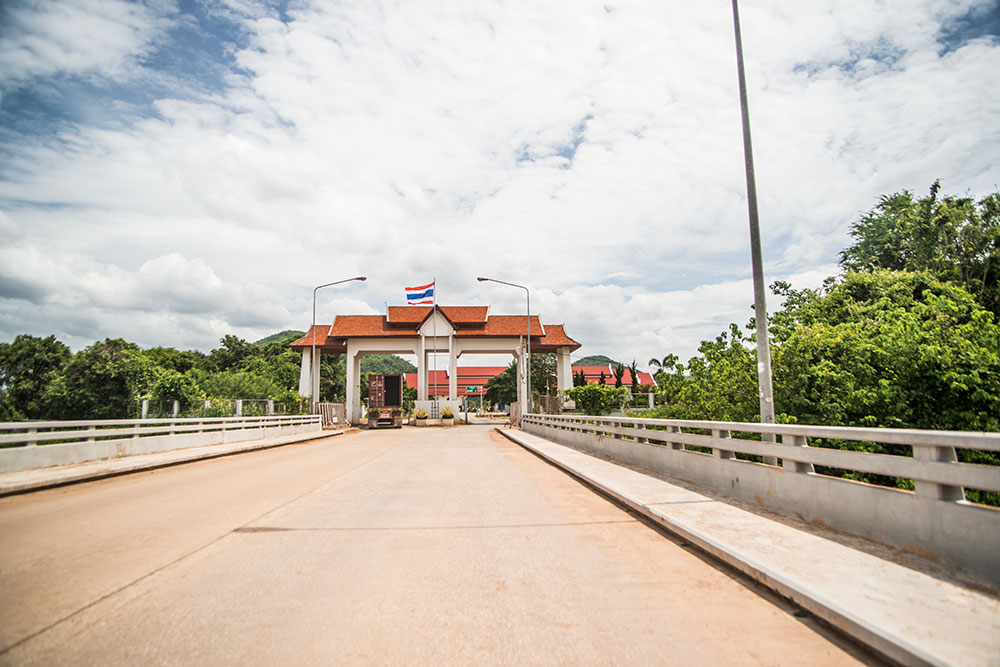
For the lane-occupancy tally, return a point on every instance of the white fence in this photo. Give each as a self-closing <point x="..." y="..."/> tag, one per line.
<point x="47" y="443"/>
<point x="934" y="520"/>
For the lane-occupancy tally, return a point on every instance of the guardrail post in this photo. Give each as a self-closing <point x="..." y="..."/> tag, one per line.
<point x="616" y="428"/>
<point x="91" y="430"/>
<point x="675" y="445"/>
<point x="641" y="427"/>
<point x="930" y="489"/>
<point x="790" y="464"/>
<point x="32" y="442"/>
<point x="722" y="453"/>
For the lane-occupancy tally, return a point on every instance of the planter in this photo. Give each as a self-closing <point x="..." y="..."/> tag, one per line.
<point x="448" y="422"/>
<point x="421" y="422"/>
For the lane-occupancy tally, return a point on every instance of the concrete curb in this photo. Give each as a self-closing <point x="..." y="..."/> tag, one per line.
<point x="37" y="479"/>
<point x="906" y="616"/>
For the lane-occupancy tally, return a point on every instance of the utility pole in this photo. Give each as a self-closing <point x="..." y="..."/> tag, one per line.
<point x="759" y="293"/>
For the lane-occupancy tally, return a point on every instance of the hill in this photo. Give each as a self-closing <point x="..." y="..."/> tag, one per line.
<point x="280" y="336"/>
<point x="385" y="363"/>
<point x="595" y="360"/>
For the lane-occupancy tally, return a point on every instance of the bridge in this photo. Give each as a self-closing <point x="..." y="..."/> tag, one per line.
<point x="564" y="542"/>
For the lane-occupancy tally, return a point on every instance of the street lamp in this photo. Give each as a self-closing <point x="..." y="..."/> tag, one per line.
<point x="759" y="298"/>
<point x="313" y="389"/>
<point x="526" y="402"/>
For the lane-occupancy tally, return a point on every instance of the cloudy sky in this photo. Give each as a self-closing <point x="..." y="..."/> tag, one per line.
<point x="172" y="171"/>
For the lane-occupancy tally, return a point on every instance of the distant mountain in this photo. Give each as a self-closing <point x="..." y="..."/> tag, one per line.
<point x="595" y="360"/>
<point x="386" y="363"/>
<point x="291" y="334"/>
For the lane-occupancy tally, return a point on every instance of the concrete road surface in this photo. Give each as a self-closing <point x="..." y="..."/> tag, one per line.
<point x="413" y="546"/>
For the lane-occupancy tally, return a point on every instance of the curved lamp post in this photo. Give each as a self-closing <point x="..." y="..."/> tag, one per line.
<point x="313" y="391"/>
<point x="526" y="402"/>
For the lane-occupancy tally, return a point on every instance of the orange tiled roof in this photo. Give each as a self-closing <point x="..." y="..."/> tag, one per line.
<point x="403" y="321"/>
<point x="555" y="335"/>
<point x="456" y="314"/>
<point x="507" y="325"/>
<point x="306" y="341"/>
<point x="345" y="326"/>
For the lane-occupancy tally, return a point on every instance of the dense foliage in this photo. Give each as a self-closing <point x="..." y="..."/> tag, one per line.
<point x="598" y="398"/>
<point x="907" y="337"/>
<point x="41" y="379"/>
<point x="502" y="388"/>
<point x="954" y="239"/>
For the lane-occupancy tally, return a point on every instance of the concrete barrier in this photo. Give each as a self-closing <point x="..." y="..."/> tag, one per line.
<point x="934" y="522"/>
<point x="54" y="443"/>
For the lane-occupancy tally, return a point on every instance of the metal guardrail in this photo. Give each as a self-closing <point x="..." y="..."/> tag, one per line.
<point x="934" y="466"/>
<point x="32" y="433"/>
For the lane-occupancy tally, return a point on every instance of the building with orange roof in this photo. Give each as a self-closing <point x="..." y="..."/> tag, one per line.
<point x="425" y="330"/>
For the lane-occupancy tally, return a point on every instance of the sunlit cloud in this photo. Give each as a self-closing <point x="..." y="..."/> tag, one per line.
<point x="192" y="174"/>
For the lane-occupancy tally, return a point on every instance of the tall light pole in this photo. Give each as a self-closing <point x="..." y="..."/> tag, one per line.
<point x="759" y="294"/>
<point x="526" y="400"/>
<point x="313" y="392"/>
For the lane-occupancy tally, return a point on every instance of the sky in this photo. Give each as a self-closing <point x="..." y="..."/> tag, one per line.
<point x="173" y="171"/>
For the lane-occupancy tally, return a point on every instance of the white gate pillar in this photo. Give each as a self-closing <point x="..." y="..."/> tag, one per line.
<point x="314" y="395"/>
<point x="564" y="369"/>
<point x="422" y="371"/>
<point x="452" y="370"/>
<point x="304" y="373"/>
<point x="353" y="381"/>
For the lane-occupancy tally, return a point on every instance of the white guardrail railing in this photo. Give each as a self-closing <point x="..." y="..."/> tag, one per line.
<point x="934" y="521"/>
<point x="38" y="444"/>
<point x="934" y="466"/>
<point x="31" y="433"/>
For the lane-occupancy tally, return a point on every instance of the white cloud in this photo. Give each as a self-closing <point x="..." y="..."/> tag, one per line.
<point x="51" y="37"/>
<point x="589" y="150"/>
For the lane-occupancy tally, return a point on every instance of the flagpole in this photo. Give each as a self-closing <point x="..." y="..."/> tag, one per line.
<point x="434" y="304"/>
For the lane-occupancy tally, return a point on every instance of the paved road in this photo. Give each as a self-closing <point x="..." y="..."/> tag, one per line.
<point x="419" y="546"/>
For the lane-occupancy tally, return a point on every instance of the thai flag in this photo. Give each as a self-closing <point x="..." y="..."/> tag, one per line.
<point x="417" y="296"/>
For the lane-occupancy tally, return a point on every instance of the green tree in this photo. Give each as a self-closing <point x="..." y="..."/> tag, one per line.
<point x="598" y="399"/>
<point x="634" y="372"/>
<point x="619" y="372"/>
<point x="233" y="354"/>
<point x="103" y="381"/>
<point x="663" y="365"/>
<point x="543" y="372"/>
<point x="27" y="366"/>
<point x="179" y="360"/>
<point x="502" y="388"/>
<point x="169" y="386"/>
<point x="955" y="239"/>
<point x="888" y="348"/>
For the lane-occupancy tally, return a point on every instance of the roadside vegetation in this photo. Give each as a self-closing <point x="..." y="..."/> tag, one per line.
<point x="40" y="378"/>
<point x="906" y="337"/>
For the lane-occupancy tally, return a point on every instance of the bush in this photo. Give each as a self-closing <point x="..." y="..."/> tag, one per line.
<point x="598" y="398"/>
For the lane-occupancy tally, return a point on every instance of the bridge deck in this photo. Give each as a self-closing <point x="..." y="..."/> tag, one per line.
<point x="908" y="614"/>
<point x="417" y="546"/>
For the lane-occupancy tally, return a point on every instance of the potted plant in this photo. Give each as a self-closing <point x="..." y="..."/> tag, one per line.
<point x="447" y="417"/>
<point x="421" y="416"/>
